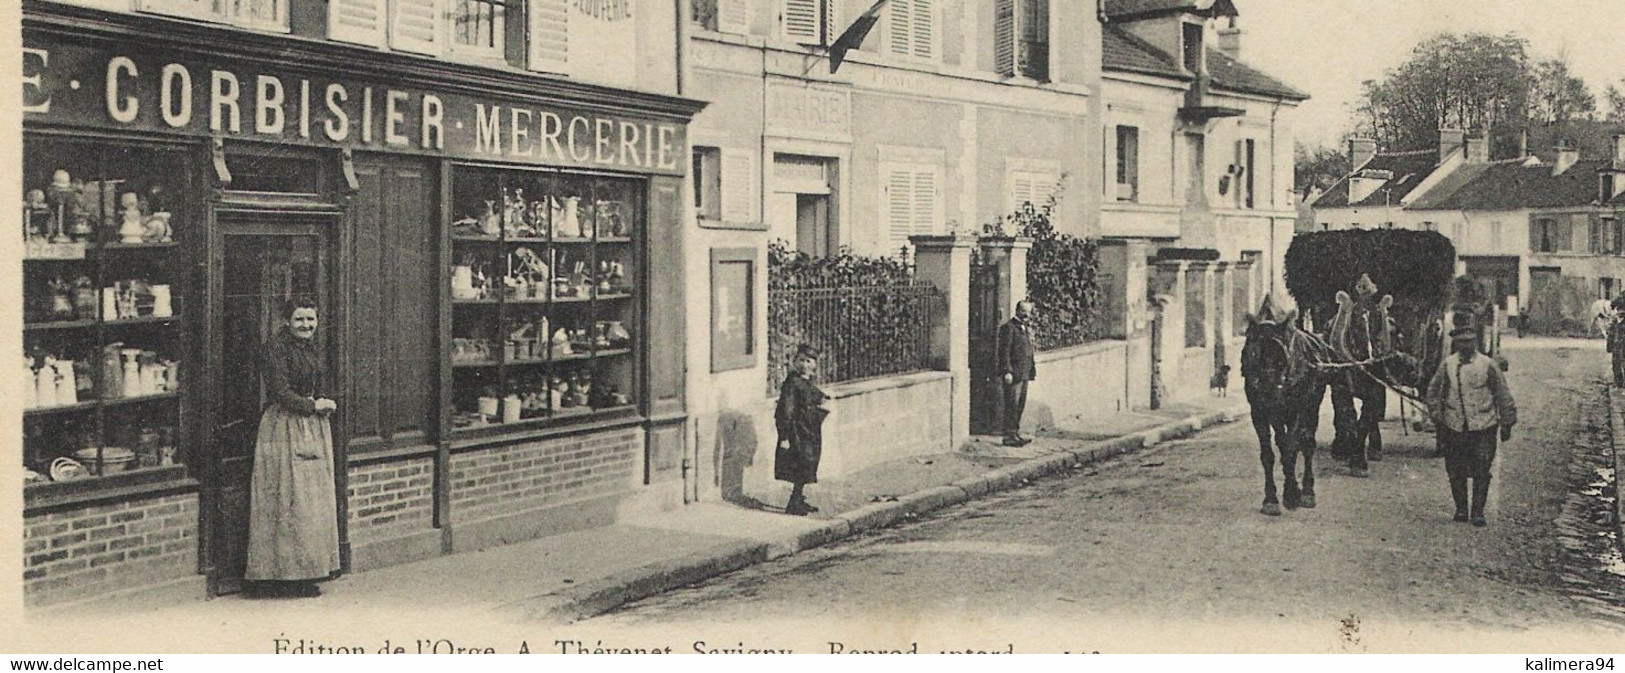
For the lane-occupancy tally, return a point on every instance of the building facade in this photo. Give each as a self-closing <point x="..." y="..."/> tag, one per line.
<point x="482" y="210"/>
<point x="1545" y="236"/>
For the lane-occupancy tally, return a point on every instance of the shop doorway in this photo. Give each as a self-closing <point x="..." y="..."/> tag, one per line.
<point x="262" y="263"/>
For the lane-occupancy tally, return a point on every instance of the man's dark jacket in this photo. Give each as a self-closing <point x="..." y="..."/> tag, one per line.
<point x="1015" y="352"/>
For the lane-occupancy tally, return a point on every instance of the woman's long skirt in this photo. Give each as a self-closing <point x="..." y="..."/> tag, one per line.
<point x="293" y="528"/>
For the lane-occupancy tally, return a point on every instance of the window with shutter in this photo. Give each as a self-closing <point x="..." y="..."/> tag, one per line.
<point x="415" y="26"/>
<point x="733" y="16"/>
<point x="478" y="27"/>
<point x="1032" y="31"/>
<point x="912" y="205"/>
<point x="738" y="175"/>
<point x="800" y="21"/>
<point x="707" y="177"/>
<point x="1030" y="187"/>
<point x="912" y="29"/>
<point x="1128" y="163"/>
<point x="549" y="35"/>
<point x="357" y="21"/>
<point x="1004" y="37"/>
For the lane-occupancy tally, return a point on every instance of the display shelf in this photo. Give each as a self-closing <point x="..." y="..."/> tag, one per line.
<point x="475" y="238"/>
<point x="62" y="409"/>
<point x="614" y="295"/>
<point x="614" y="239"/>
<point x="138" y="399"/>
<point x="474" y="364"/>
<point x="475" y="302"/>
<point x="144" y="320"/>
<point x="531" y="240"/>
<point x="572" y="240"/>
<point x="116" y="247"/>
<point x="572" y="300"/>
<point x="612" y="352"/>
<point x="58" y="325"/>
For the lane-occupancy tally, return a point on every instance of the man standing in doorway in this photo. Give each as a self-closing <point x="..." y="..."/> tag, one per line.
<point x="1016" y="368"/>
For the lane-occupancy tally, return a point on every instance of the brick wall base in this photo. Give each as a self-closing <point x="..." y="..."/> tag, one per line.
<point x="111" y="548"/>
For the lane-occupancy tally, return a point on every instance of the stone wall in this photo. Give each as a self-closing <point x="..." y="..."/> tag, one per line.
<point x="1078" y="383"/>
<point x="872" y="422"/>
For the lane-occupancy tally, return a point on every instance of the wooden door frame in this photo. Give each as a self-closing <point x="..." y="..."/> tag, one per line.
<point x="232" y="217"/>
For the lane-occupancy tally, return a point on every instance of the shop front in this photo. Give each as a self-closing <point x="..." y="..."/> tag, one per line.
<point x="491" y="253"/>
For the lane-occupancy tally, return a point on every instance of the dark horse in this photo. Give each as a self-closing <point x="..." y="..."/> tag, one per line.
<point x="1362" y="337"/>
<point x="1285" y="389"/>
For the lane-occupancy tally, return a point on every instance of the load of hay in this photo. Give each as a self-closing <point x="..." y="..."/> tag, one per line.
<point x="1415" y="267"/>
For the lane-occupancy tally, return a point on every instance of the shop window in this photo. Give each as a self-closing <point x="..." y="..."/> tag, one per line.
<point x="909" y="194"/>
<point x="1128" y="163"/>
<point x="545" y="291"/>
<point x="707" y="177"/>
<point x="912" y="29"/>
<point x="1021" y="38"/>
<point x="105" y="289"/>
<point x="809" y="22"/>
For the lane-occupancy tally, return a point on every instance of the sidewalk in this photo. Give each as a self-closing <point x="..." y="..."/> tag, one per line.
<point x="577" y="575"/>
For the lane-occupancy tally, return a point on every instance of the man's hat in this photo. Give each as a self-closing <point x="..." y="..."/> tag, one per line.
<point x="1463" y="331"/>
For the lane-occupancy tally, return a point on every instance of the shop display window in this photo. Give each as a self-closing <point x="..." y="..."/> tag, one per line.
<point x="103" y="288"/>
<point x="545" y="289"/>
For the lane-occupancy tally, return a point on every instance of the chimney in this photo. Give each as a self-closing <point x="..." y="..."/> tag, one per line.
<point x="1230" y="39"/>
<point x="1619" y="152"/>
<point x="1450" y="140"/>
<point x="1478" y="150"/>
<point x="1360" y="151"/>
<point x="1566" y="156"/>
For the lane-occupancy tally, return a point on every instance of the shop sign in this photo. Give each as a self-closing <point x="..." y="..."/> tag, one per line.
<point x="146" y="90"/>
<point x="801" y="110"/>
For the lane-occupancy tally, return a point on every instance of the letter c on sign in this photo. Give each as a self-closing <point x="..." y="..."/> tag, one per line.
<point x="122" y="111"/>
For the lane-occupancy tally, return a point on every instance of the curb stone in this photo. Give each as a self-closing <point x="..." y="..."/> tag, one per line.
<point x="596" y="597"/>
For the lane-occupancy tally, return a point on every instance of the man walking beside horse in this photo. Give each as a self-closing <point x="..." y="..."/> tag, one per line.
<point x="1470" y="403"/>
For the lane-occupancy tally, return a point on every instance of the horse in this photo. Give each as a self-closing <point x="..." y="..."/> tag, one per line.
<point x="1362" y="337"/>
<point x="1284" y="388"/>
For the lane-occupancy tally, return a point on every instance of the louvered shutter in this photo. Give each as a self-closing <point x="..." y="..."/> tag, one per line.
<point x="897" y="26"/>
<point x="1004" y="37"/>
<point x="417" y="26"/>
<point x="898" y="189"/>
<point x="925" y="201"/>
<point x="1023" y="190"/>
<point x="738" y="176"/>
<point x="550" y="35"/>
<point x="357" y="21"/>
<point x="925" y="28"/>
<point x="733" y="16"/>
<point x="832" y="21"/>
<point x="798" y="21"/>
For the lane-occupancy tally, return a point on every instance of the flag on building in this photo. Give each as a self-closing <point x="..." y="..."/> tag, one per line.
<point x="853" y="35"/>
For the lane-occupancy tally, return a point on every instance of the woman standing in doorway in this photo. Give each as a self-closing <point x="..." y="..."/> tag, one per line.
<point x="293" y="535"/>
<point x="800" y="420"/>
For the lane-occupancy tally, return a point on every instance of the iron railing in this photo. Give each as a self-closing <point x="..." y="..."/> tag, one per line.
<point x="862" y="332"/>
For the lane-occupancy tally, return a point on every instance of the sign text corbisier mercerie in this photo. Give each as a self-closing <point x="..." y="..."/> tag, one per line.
<point x="103" y="87"/>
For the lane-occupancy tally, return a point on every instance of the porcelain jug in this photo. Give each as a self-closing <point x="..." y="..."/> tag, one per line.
<point x="67" y="388"/>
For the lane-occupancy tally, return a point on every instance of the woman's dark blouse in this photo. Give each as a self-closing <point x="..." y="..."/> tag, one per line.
<point x="293" y="373"/>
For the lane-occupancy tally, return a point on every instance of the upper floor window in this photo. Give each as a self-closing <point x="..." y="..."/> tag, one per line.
<point x="1021" y="38"/>
<point x="257" y="14"/>
<point x="1544" y="235"/>
<point x="1248" y="161"/>
<point x="810" y="22"/>
<point x="1034" y="187"/>
<point x="1128" y="163"/>
<point x="911" y="27"/>
<point x="910" y="199"/>
<point x="1193" y="46"/>
<point x="478" y="27"/>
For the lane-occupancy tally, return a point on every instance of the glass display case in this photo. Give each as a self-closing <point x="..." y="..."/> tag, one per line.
<point x="545" y="287"/>
<point x="103" y="281"/>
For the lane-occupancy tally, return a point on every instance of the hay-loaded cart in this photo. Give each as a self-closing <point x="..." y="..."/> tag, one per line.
<point x="1405" y="278"/>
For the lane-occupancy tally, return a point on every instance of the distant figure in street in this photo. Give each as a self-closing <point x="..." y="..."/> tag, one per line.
<point x="1221" y="381"/>
<point x="800" y="421"/>
<point x="1470" y="401"/>
<point x="1514" y="315"/>
<point x="1616" y="343"/>
<point x="1016" y="368"/>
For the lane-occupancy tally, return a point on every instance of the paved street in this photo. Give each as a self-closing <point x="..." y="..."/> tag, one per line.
<point x="1170" y="538"/>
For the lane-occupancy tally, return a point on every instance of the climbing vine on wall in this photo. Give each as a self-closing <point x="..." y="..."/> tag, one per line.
<point x="1063" y="278"/>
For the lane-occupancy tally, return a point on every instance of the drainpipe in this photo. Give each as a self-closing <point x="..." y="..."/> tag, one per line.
<point x="684" y="14"/>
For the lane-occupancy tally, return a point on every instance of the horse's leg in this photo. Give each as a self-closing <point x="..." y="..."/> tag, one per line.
<point x="1291" y="497"/>
<point x="1308" y="425"/>
<point x="1376" y="409"/>
<point x="1355" y="427"/>
<point x="1344" y="417"/>
<point x="1266" y="457"/>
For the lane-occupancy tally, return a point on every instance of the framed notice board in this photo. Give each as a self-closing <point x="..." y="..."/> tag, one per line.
<point x="733" y="308"/>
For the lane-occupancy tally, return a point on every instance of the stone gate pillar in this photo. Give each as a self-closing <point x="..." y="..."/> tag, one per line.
<point x="944" y="261"/>
<point x="1009" y="255"/>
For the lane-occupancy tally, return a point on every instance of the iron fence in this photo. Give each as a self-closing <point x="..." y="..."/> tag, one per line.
<point x="862" y="332"/>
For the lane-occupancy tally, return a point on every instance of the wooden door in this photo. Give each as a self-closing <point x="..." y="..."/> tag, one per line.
<point x="262" y="264"/>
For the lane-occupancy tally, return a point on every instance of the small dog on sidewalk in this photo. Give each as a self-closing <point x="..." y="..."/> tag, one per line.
<point x="1221" y="381"/>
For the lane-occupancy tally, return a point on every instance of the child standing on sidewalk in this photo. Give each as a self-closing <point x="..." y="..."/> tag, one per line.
<point x="800" y="420"/>
<point x="1469" y="401"/>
